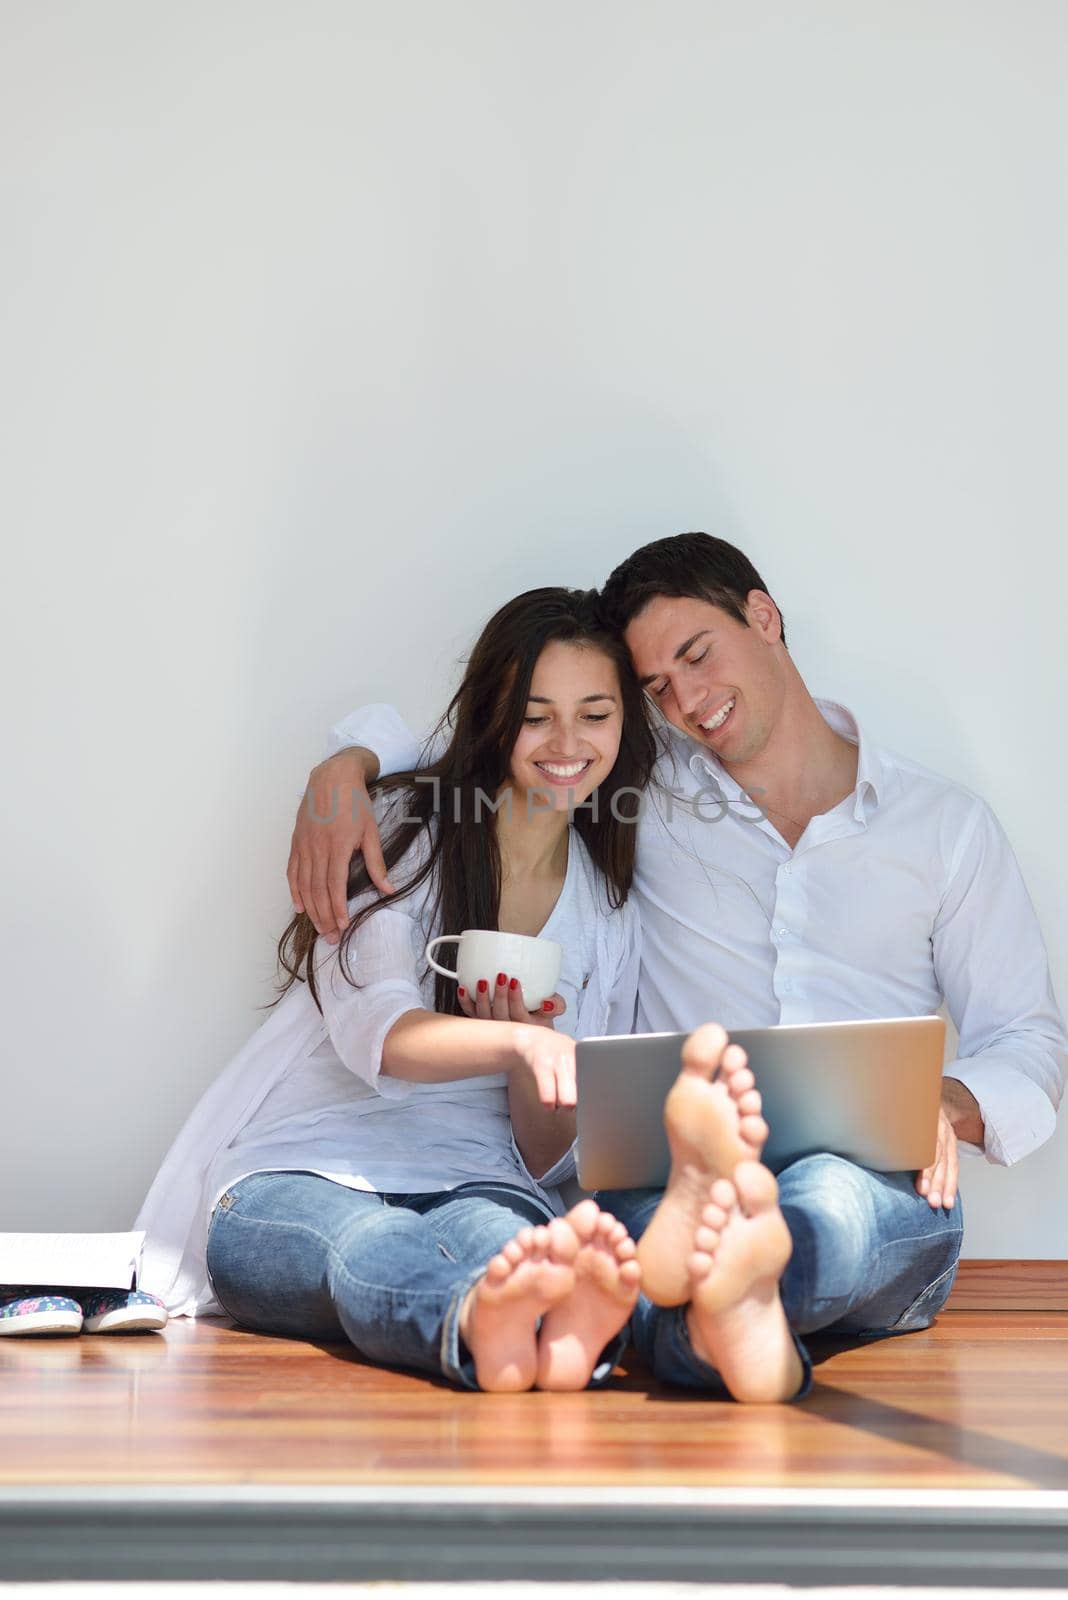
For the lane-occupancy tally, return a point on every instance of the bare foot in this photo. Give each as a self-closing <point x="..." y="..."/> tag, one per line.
<point x="711" y="1127"/>
<point x="607" y="1280"/>
<point x="736" y="1321"/>
<point x="499" y="1318"/>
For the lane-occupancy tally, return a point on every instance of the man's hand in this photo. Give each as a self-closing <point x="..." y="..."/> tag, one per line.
<point x="938" y="1182"/>
<point x="962" y="1109"/>
<point x="335" y="819"/>
<point x="958" y="1118"/>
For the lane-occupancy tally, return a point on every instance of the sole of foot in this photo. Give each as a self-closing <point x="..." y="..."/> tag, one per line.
<point x="713" y="1122"/>
<point x="736" y="1319"/>
<point x="607" y="1280"/>
<point x="500" y="1317"/>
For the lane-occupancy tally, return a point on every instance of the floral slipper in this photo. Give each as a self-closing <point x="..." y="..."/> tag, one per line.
<point x="26" y="1310"/>
<point x="122" y="1311"/>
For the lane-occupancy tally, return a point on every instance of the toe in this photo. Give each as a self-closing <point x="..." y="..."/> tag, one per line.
<point x="584" y="1218"/>
<point x="757" y="1189"/>
<point x="699" y="1265"/>
<point x="723" y="1194"/>
<point x="562" y="1239"/>
<point x="701" y="1052"/>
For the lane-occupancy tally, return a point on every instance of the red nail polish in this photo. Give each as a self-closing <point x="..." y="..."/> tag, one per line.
<point x="546" y="1005"/>
<point x="461" y="991"/>
<point x="514" y="984"/>
<point x="483" y="986"/>
<point x="502" y="979"/>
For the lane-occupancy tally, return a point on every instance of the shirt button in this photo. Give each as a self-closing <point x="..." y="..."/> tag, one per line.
<point x="787" y="987"/>
<point x="782" y="933"/>
<point x="787" y="869"/>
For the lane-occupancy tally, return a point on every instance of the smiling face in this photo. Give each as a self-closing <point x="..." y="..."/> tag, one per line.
<point x="574" y="721"/>
<point x="721" y="681"/>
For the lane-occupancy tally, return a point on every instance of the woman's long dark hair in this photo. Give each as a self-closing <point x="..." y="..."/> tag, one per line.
<point x="483" y="722"/>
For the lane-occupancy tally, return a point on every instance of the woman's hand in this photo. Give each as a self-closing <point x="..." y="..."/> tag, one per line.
<point x="501" y="1000"/>
<point x="548" y="1056"/>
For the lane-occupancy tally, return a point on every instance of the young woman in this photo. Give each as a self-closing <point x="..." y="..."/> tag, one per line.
<point x="381" y="1160"/>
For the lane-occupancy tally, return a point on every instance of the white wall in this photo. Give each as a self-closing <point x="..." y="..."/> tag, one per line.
<point x="327" y="325"/>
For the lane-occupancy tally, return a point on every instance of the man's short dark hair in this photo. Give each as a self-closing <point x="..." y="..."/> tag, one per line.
<point x="692" y="566"/>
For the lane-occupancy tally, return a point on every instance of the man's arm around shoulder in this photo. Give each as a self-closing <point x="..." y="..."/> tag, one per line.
<point x="336" y="818"/>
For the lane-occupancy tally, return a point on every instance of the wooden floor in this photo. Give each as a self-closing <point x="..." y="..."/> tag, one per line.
<point x="978" y="1401"/>
<point x="208" y="1452"/>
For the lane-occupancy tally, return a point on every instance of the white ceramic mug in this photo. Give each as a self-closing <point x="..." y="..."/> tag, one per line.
<point x="483" y="953"/>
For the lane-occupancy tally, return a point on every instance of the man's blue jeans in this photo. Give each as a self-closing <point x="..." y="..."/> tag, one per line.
<point x="870" y="1258"/>
<point x="293" y="1253"/>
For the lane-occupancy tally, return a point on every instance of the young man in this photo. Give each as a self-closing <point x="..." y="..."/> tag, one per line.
<point x="788" y="871"/>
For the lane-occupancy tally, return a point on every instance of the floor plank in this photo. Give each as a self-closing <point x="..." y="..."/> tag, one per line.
<point x="979" y="1401"/>
<point x="1010" y="1286"/>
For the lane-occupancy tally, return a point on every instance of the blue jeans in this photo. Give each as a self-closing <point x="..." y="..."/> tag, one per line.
<point x="870" y="1258"/>
<point x="293" y="1253"/>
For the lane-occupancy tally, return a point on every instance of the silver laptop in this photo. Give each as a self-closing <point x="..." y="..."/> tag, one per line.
<point x="869" y="1091"/>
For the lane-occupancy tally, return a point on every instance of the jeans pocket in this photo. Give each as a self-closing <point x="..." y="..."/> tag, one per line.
<point x="213" y="1222"/>
<point x="221" y="1207"/>
<point x="249" y="1185"/>
<point x="927" y="1304"/>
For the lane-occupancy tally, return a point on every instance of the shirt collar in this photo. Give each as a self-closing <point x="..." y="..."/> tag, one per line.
<point x="871" y="774"/>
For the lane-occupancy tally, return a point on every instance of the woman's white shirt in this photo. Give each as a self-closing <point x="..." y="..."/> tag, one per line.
<point x="307" y="1092"/>
<point x="335" y="1113"/>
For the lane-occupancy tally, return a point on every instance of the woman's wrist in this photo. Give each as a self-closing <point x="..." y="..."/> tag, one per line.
<point x="519" y="1041"/>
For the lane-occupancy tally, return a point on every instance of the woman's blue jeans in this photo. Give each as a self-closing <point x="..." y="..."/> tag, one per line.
<point x="870" y="1258"/>
<point x="293" y="1253"/>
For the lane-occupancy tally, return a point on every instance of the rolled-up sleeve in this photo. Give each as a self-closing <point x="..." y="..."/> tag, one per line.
<point x="991" y="965"/>
<point x="380" y="728"/>
<point x="383" y="957"/>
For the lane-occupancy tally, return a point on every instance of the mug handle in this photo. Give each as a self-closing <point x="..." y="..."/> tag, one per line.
<point x="443" y="938"/>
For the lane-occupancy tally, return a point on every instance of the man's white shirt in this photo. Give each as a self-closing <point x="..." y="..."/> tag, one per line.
<point x="906" y="895"/>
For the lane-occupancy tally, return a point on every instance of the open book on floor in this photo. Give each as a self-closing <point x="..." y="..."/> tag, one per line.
<point x="71" y="1260"/>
